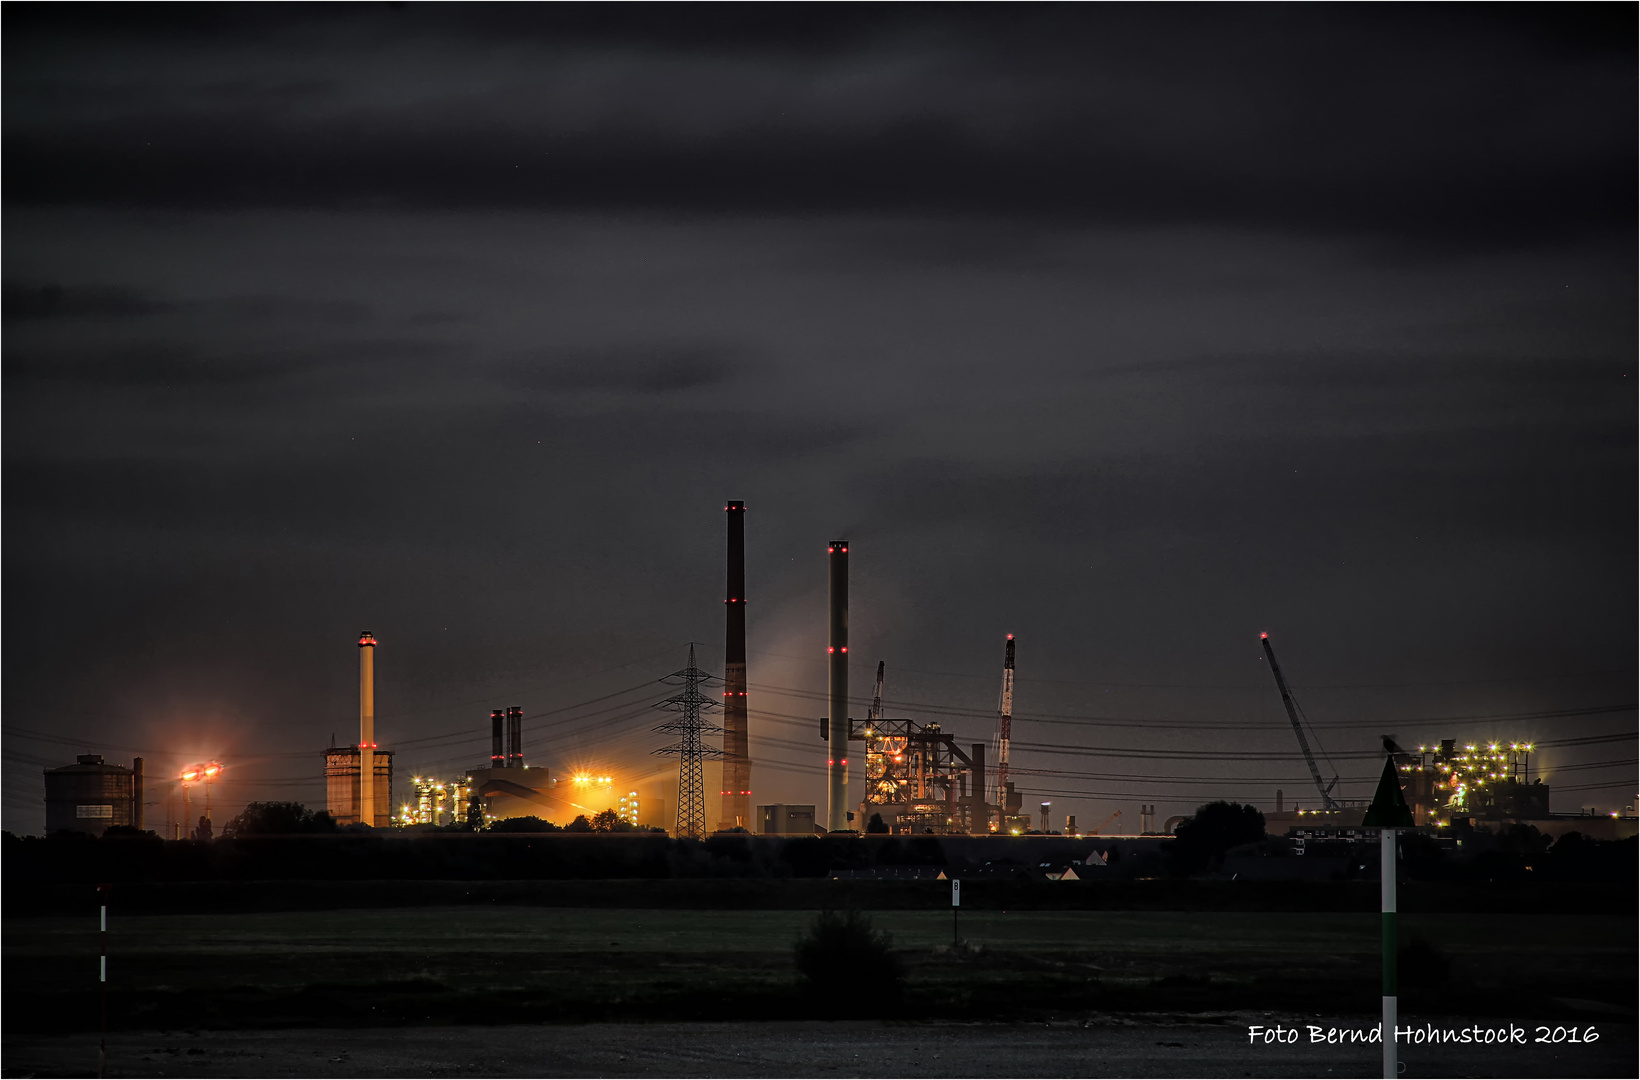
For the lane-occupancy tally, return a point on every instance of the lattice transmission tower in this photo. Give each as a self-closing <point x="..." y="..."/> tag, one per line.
<point x="691" y="751"/>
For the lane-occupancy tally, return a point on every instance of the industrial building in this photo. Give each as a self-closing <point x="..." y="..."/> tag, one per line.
<point x="91" y="796"/>
<point x="1491" y="781"/>
<point x="342" y="785"/>
<point x="359" y="779"/>
<point x="785" y="819"/>
<point x="435" y="802"/>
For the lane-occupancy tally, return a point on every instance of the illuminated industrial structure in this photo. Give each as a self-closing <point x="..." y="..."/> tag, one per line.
<point x="1490" y="780"/>
<point x="628" y="811"/>
<point x="203" y="773"/>
<point x="919" y="781"/>
<point x="91" y="796"/>
<point x="436" y="802"/>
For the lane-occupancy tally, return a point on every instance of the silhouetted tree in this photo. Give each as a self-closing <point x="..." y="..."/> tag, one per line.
<point x="528" y="823"/>
<point x="580" y="824"/>
<point x="279" y="819"/>
<point x="1214" y="829"/>
<point x="877" y="824"/>
<point x="475" y="816"/>
<point x="202" y="831"/>
<point x="606" y="821"/>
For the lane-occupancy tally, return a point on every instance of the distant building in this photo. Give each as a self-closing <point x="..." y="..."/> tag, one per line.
<point x="342" y="785"/>
<point x="90" y="796"/>
<point x="784" y="819"/>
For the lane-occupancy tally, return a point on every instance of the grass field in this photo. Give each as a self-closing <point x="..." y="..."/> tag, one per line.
<point x="490" y="964"/>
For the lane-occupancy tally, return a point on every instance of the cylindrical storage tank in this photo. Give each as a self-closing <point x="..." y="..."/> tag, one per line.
<point x="88" y="796"/>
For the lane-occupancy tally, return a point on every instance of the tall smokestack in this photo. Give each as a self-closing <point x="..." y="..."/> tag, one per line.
<point x="498" y="751"/>
<point x="1006" y="708"/>
<point x="515" y="737"/>
<point x="837" y="692"/>
<point x="367" y="728"/>
<point x="136" y="792"/>
<point x="737" y="762"/>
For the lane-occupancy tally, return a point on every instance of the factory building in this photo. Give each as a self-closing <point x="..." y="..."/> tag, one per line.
<point x="784" y="819"/>
<point x="919" y="781"/>
<point x="1490" y="781"/>
<point x="342" y="785"/>
<point x="91" y="796"/>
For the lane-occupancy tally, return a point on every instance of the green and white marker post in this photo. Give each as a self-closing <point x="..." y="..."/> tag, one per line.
<point x="1388" y="812"/>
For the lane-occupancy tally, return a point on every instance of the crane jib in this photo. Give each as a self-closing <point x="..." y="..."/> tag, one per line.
<point x="1298" y="728"/>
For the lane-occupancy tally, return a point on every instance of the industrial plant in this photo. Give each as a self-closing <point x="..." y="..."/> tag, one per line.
<point x="918" y="778"/>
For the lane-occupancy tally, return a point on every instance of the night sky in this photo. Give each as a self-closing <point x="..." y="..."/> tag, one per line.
<point x="1131" y="331"/>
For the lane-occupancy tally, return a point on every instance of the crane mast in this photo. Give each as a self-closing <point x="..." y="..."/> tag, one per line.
<point x="876" y="713"/>
<point x="1006" y="708"/>
<point x="1327" y="800"/>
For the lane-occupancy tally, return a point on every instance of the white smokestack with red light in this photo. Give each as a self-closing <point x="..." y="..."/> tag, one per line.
<point x="367" y="728"/>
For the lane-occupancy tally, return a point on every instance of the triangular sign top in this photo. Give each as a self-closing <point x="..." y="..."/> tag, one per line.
<point x="1389" y="806"/>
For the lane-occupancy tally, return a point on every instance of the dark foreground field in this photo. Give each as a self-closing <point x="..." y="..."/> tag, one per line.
<point x="1140" y="1045"/>
<point x="523" y="990"/>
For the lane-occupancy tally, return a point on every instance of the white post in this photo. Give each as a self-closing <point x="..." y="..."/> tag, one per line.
<point x="1386" y="872"/>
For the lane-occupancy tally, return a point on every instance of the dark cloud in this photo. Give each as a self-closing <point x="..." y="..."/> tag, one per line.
<point x="1456" y="125"/>
<point x="28" y="303"/>
<point x="644" y="371"/>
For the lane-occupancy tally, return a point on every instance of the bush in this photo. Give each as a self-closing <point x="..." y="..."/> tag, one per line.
<point x="842" y="954"/>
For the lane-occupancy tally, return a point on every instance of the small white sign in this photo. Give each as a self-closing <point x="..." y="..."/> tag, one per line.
<point x="956" y="893"/>
<point x="103" y="811"/>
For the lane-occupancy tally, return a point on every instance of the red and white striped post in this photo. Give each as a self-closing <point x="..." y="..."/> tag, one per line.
<point x="102" y="984"/>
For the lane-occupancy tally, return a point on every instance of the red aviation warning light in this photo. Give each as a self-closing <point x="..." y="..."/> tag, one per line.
<point x="366" y="638"/>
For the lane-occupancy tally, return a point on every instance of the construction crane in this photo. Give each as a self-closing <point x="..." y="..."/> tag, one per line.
<point x="1327" y="801"/>
<point x="1006" y="708"/>
<point x="876" y="712"/>
<point x="1097" y="828"/>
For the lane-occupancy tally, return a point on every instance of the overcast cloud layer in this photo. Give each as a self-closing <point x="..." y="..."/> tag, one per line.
<point x="1133" y="332"/>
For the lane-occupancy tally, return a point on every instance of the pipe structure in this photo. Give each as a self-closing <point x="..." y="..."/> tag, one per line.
<point x="367" y="729"/>
<point x="837" y="691"/>
<point x="136" y="792"/>
<point x="498" y="743"/>
<point x="979" y="813"/>
<point x="737" y="761"/>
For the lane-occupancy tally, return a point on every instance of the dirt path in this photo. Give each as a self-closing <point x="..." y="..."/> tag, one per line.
<point x="1111" y="1046"/>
